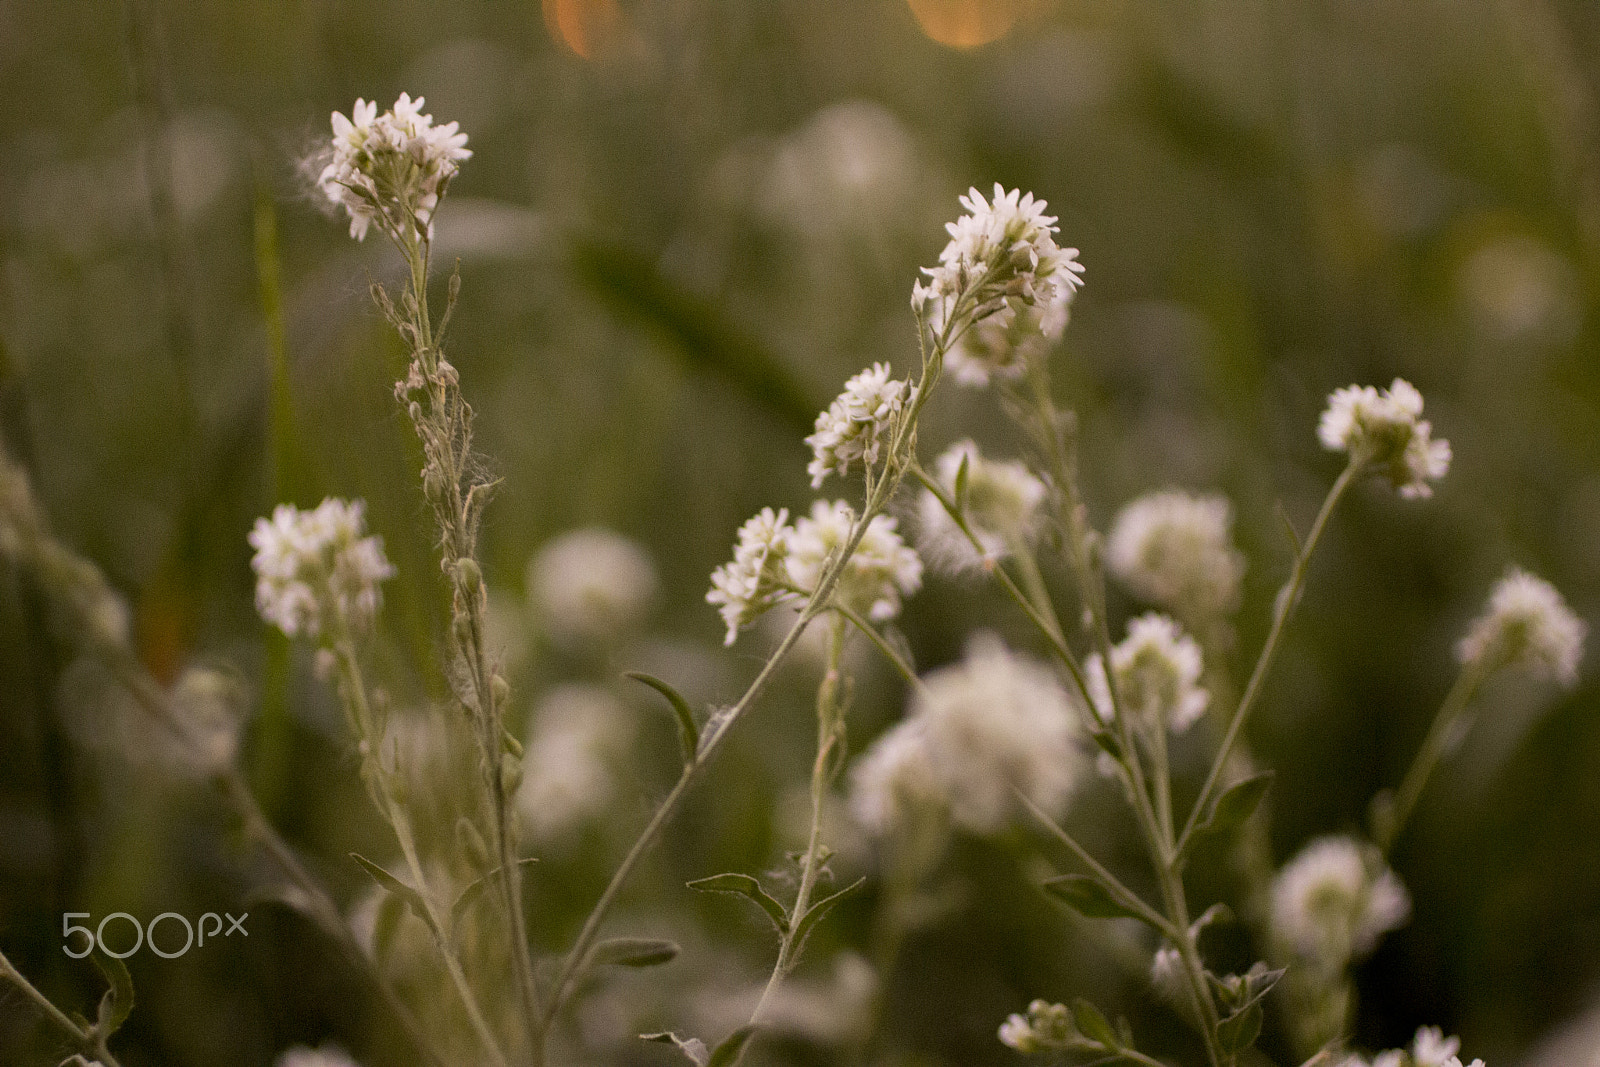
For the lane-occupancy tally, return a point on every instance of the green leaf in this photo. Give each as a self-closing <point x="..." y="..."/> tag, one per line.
<point x="1093" y="1025"/>
<point x="962" y="474"/>
<point x="118" y="999"/>
<point x="633" y="952"/>
<point x="1089" y="896"/>
<point x="727" y="1053"/>
<point x="691" y="1047"/>
<point x="746" y="886"/>
<point x="688" y="732"/>
<point x="412" y="897"/>
<point x="819" y="910"/>
<point x="1239" y="1031"/>
<point x="1108" y="744"/>
<point x="475" y="890"/>
<point x="1235" y="805"/>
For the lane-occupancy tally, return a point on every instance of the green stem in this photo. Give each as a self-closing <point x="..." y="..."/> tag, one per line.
<point x="872" y="634"/>
<point x="1288" y="599"/>
<point x="1125" y="896"/>
<point x="1393" y="819"/>
<point x="86" y="1039"/>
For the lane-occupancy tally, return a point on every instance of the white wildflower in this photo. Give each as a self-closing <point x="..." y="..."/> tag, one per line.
<point x="1158" y="669"/>
<point x="857" y="425"/>
<point x="326" y="1056"/>
<point x="995" y="723"/>
<point x="1335" y="900"/>
<point x="578" y="735"/>
<point x="753" y="582"/>
<point x="1046" y="1027"/>
<point x="894" y="781"/>
<point x="1166" y="973"/>
<point x="1177" y="551"/>
<point x="1002" y="257"/>
<point x="1003" y="345"/>
<point x="1455" y="1061"/>
<point x="1386" y="430"/>
<point x="592" y="584"/>
<point x="316" y="571"/>
<point x="1527" y="625"/>
<point x="391" y="168"/>
<point x="1430" y="1048"/>
<point x="1001" y="506"/>
<point x="881" y="572"/>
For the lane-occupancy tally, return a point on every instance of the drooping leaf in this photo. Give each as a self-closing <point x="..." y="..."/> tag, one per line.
<point x="746" y="886"/>
<point x="692" y="1047"/>
<point x="633" y="952"/>
<point x="727" y="1053"/>
<point x="1088" y="896"/>
<point x="688" y="732"/>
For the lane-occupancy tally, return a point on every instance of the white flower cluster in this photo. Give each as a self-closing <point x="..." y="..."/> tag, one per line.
<point x="1386" y="430"/>
<point x="993" y="723"/>
<point x="1430" y="1048"/>
<point x="1001" y="505"/>
<point x="578" y="735"/>
<point x="1527" y="625"/>
<point x="1001" y="263"/>
<point x="1177" y="551"/>
<point x="882" y="571"/>
<point x="592" y="584"/>
<point x="774" y="561"/>
<point x="1003" y="345"/>
<point x="753" y="581"/>
<point x="1046" y="1028"/>
<point x="1158" y="669"/>
<point x="857" y="425"/>
<point x="317" y="570"/>
<point x="326" y="1056"/>
<point x="1335" y="900"/>
<point x="391" y="168"/>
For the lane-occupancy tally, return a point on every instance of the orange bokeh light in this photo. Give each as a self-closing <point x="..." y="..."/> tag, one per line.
<point x="966" y="23"/>
<point x="587" y="27"/>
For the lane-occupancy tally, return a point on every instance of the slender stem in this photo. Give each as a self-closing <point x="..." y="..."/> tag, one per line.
<point x="86" y="1038"/>
<point x="1126" y="896"/>
<point x="829" y="726"/>
<point x="883" y="646"/>
<point x="1394" y="818"/>
<point x="1288" y="599"/>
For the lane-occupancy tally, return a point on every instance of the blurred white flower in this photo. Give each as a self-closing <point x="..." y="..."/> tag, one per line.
<point x="1335" y="900"/>
<point x="1001" y="506"/>
<point x="1046" y="1027"/>
<point x="316" y="570"/>
<point x="1431" y="1048"/>
<point x="1004" y="344"/>
<point x="1158" y="669"/>
<point x="578" y="735"/>
<point x="856" y="425"/>
<point x="1002" y="257"/>
<point x="752" y="583"/>
<point x="1166" y="973"/>
<point x="893" y="782"/>
<point x="1527" y="625"/>
<point x="592" y="584"/>
<point x="391" y="168"/>
<point x="209" y="706"/>
<point x="326" y="1056"/>
<point x="1386" y="430"/>
<point x="881" y="572"/>
<point x="1177" y="551"/>
<point x="994" y="723"/>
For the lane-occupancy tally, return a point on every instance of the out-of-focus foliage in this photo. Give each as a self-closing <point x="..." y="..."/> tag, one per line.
<point x="685" y="223"/>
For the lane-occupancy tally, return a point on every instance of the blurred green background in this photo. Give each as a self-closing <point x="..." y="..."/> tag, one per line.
<point x="685" y="223"/>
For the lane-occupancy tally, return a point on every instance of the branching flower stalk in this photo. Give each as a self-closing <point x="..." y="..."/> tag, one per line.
<point x="90" y="1040"/>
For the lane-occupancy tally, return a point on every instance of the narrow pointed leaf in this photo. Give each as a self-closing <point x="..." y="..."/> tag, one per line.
<point x="633" y="952"/>
<point x="118" y="999"/>
<point x="692" y="1047"/>
<point x="1088" y="896"/>
<point x="1239" y="1031"/>
<point x="727" y="1053"/>
<point x="1235" y="805"/>
<point x="1093" y="1025"/>
<point x="412" y="897"/>
<point x="819" y="910"/>
<point x="745" y="886"/>
<point x="688" y="732"/>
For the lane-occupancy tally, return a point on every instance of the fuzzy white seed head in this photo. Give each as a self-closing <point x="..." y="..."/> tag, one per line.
<point x="317" y="570"/>
<point x="592" y="584"/>
<point x="1387" y="430"/>
<point x="882" y="571"/>
<point x="994" y="723"/>
<point x="744" y="589"/>
<point x="392" y="168"/>
<point x="1158" y="669"/>
<point x="1177" y="551"/>
<point x="1001" y="258"/>
<point x="1001" y="502"/>
<point x="857" y="425"/>
<point x="1335" y="900"/>
<point x="1527" y="625"/>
